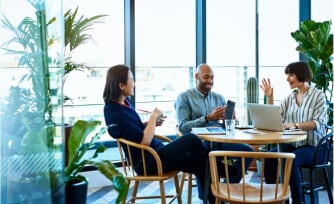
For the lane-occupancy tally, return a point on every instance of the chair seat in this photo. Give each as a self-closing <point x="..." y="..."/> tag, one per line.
<point x="252" y="192"/>
<point x="164" y="176"/>
<point x="131" y="175"/>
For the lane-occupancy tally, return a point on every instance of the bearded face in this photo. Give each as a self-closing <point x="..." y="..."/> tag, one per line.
<point x="205" y="83"/>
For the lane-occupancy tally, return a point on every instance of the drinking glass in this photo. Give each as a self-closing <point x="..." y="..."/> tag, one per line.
<point x="230" y="127"/>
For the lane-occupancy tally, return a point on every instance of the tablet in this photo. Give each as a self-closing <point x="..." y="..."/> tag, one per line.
<point x="230" y="106"/>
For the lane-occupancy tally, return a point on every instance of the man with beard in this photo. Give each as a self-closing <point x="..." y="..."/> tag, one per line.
<point x="201" y="107"/>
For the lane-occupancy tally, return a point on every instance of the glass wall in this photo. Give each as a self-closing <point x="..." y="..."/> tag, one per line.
<point x="31" y="125"/>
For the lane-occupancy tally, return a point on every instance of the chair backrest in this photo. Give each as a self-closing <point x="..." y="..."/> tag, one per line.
<point x="247" y="191"/>
<point x="322" y="152"/>
<point x="126" y="147"/>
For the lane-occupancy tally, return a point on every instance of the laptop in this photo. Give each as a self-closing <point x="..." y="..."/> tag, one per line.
<point x="208" y="130"/>
<point x="265" y="116"/>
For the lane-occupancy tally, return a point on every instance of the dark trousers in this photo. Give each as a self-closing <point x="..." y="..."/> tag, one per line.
<point x="304" y="156"/>
<point x="187" y="154"/>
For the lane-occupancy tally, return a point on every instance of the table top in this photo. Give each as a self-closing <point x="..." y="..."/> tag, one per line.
<point x="251" y="136"/>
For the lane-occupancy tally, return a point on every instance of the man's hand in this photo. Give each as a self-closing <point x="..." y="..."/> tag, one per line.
<point x="217" y="114"/>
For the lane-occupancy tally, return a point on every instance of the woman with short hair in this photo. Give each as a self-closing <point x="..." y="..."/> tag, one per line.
<point x="305" y="108"/>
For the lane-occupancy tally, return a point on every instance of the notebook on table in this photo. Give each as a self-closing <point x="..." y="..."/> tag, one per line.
<point x="268" y="117"/>
<point x="208" y="130"/>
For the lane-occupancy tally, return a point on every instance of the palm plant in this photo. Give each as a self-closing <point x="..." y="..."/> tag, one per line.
<point x="76" y="34"/>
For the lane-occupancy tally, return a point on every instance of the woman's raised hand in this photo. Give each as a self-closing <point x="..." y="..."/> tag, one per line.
<point x="266" y="87"/>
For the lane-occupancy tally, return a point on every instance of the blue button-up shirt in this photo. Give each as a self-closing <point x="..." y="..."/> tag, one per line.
<point x="192" y="106"/>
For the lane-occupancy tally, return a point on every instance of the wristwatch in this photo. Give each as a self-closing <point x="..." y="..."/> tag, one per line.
<point x="297" y="125"/>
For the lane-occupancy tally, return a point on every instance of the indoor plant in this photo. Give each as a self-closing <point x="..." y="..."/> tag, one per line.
<point x="75" y="35"/>
<point x="77" y="149"/>
<point x="315" y="43"/>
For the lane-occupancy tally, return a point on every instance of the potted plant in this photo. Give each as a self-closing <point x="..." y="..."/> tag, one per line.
<point x="77" y="149"/>
<point x="315" y="43"/>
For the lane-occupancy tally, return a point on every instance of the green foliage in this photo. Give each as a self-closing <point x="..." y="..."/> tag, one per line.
<point x="77" y="150"/>
<point x="315" y="43"/>
<point x="76" y="34"/>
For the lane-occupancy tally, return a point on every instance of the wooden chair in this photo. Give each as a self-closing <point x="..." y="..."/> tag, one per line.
<point x="127" y="163"/>
<point x="245" y="191"/>
<point x="321" y="161"/>
<point x="185" y="176"/>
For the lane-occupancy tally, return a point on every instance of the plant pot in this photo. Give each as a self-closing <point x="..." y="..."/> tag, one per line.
<point x="76" y="192"/>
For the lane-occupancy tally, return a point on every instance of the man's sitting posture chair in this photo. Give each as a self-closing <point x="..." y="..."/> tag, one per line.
<point x="321" y="161"/>
<point x="245" y="191"/>
<point x="129" y="171"/>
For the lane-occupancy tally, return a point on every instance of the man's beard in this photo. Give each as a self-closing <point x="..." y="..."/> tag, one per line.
<point x="203" y="86"/>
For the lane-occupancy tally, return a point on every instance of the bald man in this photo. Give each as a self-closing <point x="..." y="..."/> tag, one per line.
<point x="201" y="107"/>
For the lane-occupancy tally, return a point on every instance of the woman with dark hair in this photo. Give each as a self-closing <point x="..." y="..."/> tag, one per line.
<point x="305" y="108"/>
<point x="186" y="154"/>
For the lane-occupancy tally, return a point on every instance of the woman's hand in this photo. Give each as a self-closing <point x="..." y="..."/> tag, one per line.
<point x="266" y="87"/>
<point x="289" y="126"/>
<point x="157" y="113"/>
<point x="160" y="121"/>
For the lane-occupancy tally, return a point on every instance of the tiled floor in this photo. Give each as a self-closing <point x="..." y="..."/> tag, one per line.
<point x="101" y="192"/>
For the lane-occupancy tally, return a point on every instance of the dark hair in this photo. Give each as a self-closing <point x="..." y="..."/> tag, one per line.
<point x="302" y="71"/>
<point x="115" y="75"/>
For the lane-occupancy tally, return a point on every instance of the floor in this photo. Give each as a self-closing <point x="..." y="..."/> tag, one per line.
<point x="101" y="192"/>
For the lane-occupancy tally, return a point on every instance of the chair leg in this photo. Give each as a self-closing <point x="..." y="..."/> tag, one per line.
<point x="183" y="178"/>
<point x="134" y="191"/>
<point x="312" y="185"/>
<point x="177" y="190"/>
<point x="303" y="185"/>
<point x="190" y="186"/>
<point x="162" y="192"/>
<point x="328" y="187"/>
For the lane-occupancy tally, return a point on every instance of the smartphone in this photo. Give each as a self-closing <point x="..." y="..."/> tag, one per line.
<point x="230" y="106"/>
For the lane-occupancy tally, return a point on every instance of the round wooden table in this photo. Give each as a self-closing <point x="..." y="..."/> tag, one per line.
<point x="257" y="137"/>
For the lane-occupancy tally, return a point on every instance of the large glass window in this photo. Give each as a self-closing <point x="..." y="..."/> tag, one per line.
<point x="277" y="19"/>
<point x="165" y="49"/>
<point x="106" y="48"/>
<point x="322" y="10"/>
<point x="231" y="33"/>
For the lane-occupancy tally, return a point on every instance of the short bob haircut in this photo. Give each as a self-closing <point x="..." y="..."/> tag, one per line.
<point x="115" y="75"/>
<point x="302" y="71"/>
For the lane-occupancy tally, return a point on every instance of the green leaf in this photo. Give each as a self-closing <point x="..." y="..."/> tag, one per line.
<point x="120" y="183"/>
<point x="79" y="132"/>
